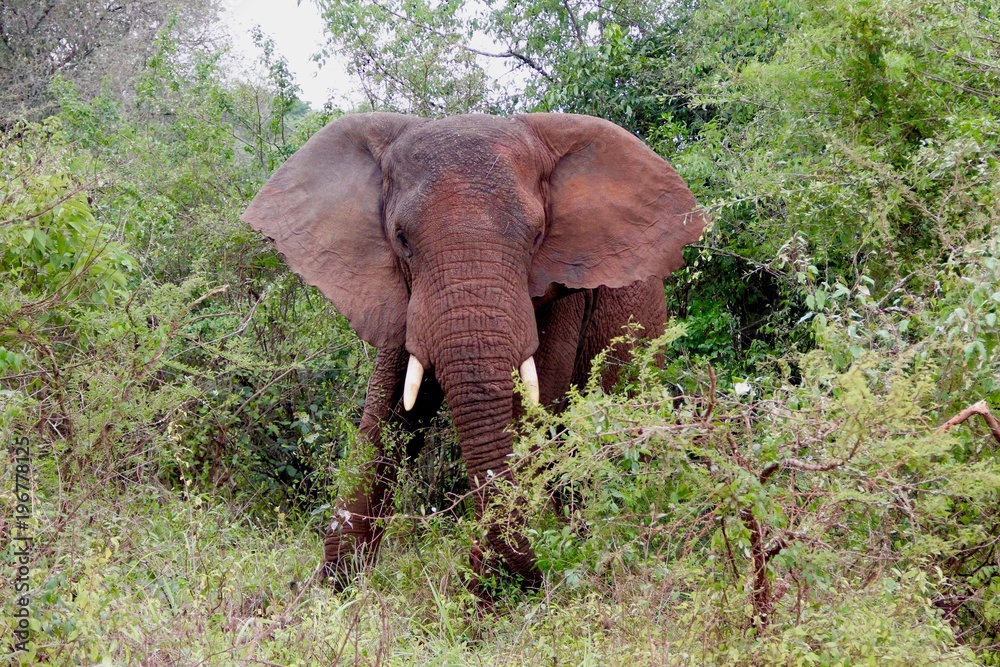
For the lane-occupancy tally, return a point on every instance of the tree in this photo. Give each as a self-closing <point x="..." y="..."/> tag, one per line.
<point x="410" y="56"/>
<point x="88" y="42"/>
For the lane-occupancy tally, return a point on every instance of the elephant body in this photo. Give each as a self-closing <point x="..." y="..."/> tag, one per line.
<point x="472" y="246"/>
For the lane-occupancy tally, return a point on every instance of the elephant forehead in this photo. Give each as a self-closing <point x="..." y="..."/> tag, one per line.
<point x="460" y="145"/>
<point x="453" y="203"/>
<point x="462" y="162"/>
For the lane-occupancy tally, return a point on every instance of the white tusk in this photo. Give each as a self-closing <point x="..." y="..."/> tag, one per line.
<point x="411" y="385"/>
<point x="529" y="376"/>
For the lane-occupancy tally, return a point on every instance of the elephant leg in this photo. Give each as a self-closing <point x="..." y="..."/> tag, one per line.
<point x="559" y="324"/>
<point x="355" y="534"/>
<point x="642" y="302"/>
<point x="576" y="329"/>
<point x="486" y="562"/>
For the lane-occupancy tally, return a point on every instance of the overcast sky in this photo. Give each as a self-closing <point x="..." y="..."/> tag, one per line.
<point x="297" y="30"/>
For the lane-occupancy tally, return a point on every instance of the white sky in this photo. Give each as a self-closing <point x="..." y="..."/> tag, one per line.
<point x="297" y="31"/>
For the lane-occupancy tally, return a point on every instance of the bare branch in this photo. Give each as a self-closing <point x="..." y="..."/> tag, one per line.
<point x="982" y="409"/>
<point x="572" y="20"/>
<point x="801" y="464"/>
<point x="510" y="53"/>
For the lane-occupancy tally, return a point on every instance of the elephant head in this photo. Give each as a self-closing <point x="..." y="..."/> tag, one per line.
<point x="442" y="236"/>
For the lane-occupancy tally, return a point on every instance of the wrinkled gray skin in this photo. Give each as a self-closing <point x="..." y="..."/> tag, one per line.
<point x="472" y="243"/>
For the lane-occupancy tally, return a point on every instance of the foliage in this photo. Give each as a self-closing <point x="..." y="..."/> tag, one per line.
<point x="96" y="44"/>
<point x="63" y="273"/>
<point x="852" y="177"/>
<point x="409" y="57"/>
<point x="652" y="563"/>
<point x="152" y="342"/>
<point x="52" y="243"/>
<point x="782" y="496"/>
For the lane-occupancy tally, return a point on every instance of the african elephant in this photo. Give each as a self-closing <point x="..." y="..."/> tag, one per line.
<point x="464" y="248"/>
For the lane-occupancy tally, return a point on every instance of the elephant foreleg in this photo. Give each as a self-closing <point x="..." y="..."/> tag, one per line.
<point x="642" y="302"/>
<point x="559" y="325"/>
<point x="574" y="329"/>
<point x="355" y="532"/>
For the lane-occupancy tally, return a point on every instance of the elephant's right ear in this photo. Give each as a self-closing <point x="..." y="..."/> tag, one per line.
<point x="322" y="209"/>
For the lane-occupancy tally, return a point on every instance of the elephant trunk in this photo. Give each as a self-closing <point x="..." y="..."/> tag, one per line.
<point x="415" y="375"/>
<point x="475" y="330"/>
<point x="480" y="395"/>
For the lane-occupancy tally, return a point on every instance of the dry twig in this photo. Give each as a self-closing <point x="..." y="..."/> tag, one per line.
<point x="982" y="409"/>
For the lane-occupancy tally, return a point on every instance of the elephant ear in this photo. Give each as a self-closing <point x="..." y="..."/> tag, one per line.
<point x="322" y="208"/>
<point x="617" y="212"/>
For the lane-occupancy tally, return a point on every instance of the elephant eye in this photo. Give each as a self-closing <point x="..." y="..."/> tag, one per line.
<point x="404" y="244"/>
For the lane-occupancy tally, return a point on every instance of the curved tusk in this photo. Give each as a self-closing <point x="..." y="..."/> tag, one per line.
<point x="529" y="376"/>
<point x="411" y="385"/>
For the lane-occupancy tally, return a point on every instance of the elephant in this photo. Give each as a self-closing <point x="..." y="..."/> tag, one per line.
<point x="463" y="248"/>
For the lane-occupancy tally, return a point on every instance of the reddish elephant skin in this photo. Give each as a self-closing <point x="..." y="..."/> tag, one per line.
<point x="472" y="243"/>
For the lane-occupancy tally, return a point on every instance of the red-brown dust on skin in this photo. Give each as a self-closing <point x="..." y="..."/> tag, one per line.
<point x="434" y="238"/>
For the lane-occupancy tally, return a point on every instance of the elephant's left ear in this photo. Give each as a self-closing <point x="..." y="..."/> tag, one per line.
<point x="617" y="212"/>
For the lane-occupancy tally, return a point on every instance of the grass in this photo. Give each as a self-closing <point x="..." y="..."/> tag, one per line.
<point x="135" y="573"/>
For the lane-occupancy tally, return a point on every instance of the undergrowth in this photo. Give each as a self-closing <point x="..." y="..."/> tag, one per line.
<point x="144" y="576"/>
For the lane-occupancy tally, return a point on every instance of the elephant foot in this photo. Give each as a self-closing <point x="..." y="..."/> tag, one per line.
<point x="482" y="581"/>
<point x="347" y="551"/>
<point x="490" y="573"/>
<point x="338" y="574"/>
